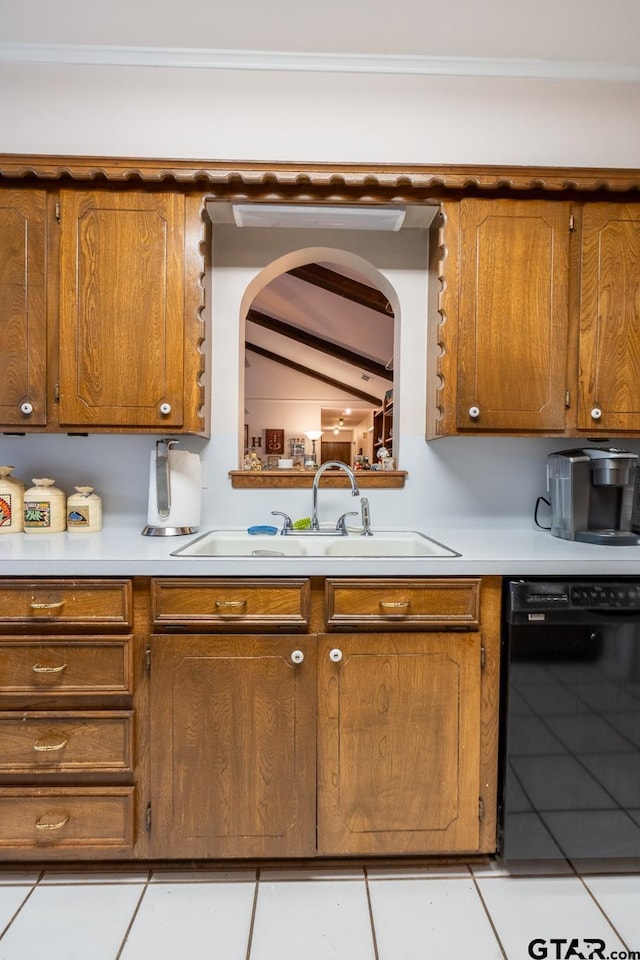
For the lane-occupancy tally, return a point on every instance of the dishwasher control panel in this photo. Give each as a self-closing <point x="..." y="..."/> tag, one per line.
<point x="608" y="596"/>
<point x="573" y="595"/>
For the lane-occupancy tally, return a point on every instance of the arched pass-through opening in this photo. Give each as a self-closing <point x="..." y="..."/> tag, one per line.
<point x="320" y="331"/>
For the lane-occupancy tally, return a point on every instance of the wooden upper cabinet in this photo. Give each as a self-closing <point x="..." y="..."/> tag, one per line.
<point x="609" y="332"/>
<point x="23" y="307"/>
<point x="122" y="308"/>
<point x="513" y="312"/>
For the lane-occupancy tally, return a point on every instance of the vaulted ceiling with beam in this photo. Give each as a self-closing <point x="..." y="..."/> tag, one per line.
<point x="328" y="325"/>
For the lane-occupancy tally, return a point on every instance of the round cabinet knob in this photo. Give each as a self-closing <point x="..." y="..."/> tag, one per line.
<point x="165" y="409"/>
<point x="474" y="412"/>
<point x="596" y="413"/>
<point x="335" y="655"/>
<point x="26" y="408"/>
<point x="297" y="656"/>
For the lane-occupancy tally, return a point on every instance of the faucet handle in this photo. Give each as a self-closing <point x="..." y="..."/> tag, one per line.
<point x="366" y="517"/>
<point x="341" y="525"/>
<point x="287" y="525"/>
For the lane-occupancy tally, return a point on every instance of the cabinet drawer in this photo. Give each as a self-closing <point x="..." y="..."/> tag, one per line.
<point x="82" y="818"/>
<point x="231" y="605"/>
<point x="74" y="742"/>
<point x="57" y="667"/>
<point x="403" y="604"/>
<point x="88" y="606"/>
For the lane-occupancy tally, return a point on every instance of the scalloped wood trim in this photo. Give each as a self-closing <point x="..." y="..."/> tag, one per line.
<point x="327" y="181"/>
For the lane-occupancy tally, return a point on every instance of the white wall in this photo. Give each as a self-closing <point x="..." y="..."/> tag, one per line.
<point x="335" y="118"/>
<point x="156" y="112"/>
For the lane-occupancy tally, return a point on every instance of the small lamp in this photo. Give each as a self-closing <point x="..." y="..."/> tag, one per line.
<point x="313" y="435"/>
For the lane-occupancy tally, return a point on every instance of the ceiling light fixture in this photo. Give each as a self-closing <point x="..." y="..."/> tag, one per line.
<point x="317" y="217"/>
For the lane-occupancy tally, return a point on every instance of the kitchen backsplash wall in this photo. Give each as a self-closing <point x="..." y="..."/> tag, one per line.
<point x="455" y="481"/>
<point x="452" y="481"/>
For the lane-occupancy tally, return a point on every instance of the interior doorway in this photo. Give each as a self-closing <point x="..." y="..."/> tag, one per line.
<point x="336" y="450"/>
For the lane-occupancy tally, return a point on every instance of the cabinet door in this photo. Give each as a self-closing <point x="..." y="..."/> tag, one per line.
<point x="232" y="746"/>
<point x="513" y="315"/>
<point x="609" y="397"/>
<point x="23" y="307"/>
<point x="399" y="743"/>
<point x="121" y="309"/>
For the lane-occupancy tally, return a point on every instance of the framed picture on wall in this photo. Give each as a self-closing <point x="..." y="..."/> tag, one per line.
<point x="274" y="441"/>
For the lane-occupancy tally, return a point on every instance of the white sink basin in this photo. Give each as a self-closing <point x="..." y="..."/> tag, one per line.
<point x="384" y="543"/>
<point x="239" y="543"/>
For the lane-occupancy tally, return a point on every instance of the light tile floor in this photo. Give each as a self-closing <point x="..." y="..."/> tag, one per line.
<point x="481" y="911"/>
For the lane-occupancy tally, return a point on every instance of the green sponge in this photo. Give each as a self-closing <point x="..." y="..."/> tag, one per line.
<point x="303" y="524"/>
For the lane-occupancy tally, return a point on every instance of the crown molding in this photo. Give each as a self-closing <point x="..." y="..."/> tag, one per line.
<point x="266" y="60"/>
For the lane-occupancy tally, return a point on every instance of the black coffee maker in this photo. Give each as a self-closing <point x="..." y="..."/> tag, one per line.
<point x="592" y="492"/>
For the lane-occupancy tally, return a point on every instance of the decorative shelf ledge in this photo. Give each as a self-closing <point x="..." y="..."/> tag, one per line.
<point x="303" y="479"/>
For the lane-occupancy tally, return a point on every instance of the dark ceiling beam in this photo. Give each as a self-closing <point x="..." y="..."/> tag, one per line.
<point x="308" y="372"/>
<point x="318" y="343"/>
<point x="343" y="286"/>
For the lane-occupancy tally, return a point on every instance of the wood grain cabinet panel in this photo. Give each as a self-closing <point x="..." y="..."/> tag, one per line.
<point x="232" y="746"/>
<point x="68" y="606"/>
<point x="76" y="821"/>
<point x="66" y="667"/>
<point x="399" y="743"/>
<point x="609" y="345"/>
<point x="78" y="742"/>
<point x="122" y="309"/>
<point x="513" y="314"/>
<point x="23" y="307"/>
<point x="402" y="604"/>
<point x="229" y="605"/>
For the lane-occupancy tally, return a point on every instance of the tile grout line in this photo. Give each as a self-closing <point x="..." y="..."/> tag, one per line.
<point x="371" y="920"/>
<point x="604" y="914"/>
<point x="489" y="917"/>
<point x="253" y="914"/>
<point x="19" y="910"/>
<point x="134" y="916"/>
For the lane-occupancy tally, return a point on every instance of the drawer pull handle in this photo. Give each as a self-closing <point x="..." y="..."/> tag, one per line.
<point x="395" y="606"/>
<point x="42" y="746"/>
<point x="40" y="668"/>
<point x="52" y="825"/>
<point x="54" y="605"/>
<point x="231" y="606"/>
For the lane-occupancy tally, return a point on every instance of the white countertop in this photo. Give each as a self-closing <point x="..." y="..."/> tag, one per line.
<point x="123" y="551"/>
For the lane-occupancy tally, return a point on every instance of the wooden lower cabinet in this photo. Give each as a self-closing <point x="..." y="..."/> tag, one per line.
<point x="366" y="727"/>
<point x="70" y="767"/>
<point x="399" y="743"/>
<point x="77" y="822"/>
<point x="233" y="746"/>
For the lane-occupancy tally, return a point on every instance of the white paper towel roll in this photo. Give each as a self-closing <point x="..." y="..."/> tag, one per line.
<point x="185" y="483"/>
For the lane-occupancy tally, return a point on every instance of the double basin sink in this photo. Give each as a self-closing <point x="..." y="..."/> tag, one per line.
<point x="383" y="543"/>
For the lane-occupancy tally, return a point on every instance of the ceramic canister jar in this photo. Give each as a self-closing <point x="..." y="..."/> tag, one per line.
<point x="84" y="511"/>
<point x="44" y="508"/>
<point x="11" y="502"/>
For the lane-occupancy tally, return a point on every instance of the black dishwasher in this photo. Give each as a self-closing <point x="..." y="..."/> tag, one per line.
<point x="570" y="733"/>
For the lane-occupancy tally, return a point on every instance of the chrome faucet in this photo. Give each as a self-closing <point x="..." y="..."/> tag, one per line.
<point x="316" y="480"/>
